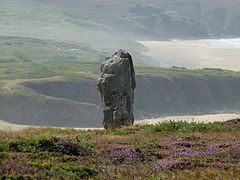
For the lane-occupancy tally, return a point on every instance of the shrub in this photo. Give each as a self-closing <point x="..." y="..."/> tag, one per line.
<point x="50" y="145"/>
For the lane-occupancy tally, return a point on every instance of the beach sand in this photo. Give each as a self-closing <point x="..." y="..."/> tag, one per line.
<point x="193" y="54"/>
<point x="4" y="126"/>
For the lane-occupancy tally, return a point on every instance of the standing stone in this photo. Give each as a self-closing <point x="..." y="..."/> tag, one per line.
<point x="116" y="86"/>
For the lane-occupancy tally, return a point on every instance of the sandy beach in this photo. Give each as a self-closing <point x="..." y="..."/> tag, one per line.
<point x="7" y="127"/>
<point x="194" y="54"/>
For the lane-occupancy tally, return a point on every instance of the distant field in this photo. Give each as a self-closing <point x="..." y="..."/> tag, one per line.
<point x="16" y="49"/>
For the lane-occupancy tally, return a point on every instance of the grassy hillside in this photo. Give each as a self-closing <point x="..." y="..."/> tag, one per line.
<point x="16" y="49"/>
<point x="164" y="151"/>
<point x="38" y="19"/>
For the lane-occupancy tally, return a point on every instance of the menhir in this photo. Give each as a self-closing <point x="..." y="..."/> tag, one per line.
<point x="116" y="86"/>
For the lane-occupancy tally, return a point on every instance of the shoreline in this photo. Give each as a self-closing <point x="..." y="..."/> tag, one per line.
<point x="8" y="127"/>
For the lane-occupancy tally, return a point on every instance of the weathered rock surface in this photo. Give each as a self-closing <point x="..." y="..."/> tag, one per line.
<point x="116" y="86"/>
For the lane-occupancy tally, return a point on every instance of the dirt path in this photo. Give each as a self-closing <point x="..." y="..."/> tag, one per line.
<point x="4" y="126"/>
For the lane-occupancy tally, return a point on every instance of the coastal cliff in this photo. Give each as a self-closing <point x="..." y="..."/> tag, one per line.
<point x="77" y="103"/>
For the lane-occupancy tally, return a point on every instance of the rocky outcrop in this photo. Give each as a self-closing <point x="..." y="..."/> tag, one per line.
<point x="116" y="86"/>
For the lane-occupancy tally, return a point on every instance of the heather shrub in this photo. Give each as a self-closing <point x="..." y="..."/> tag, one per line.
<point x="135" y="152"/>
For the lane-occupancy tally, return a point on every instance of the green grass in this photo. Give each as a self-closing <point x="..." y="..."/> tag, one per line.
<point x="23" y="70"/>
<point x="16" y="49"/>
<point x="32" y="70"/>
<point x="175" y="72"/>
